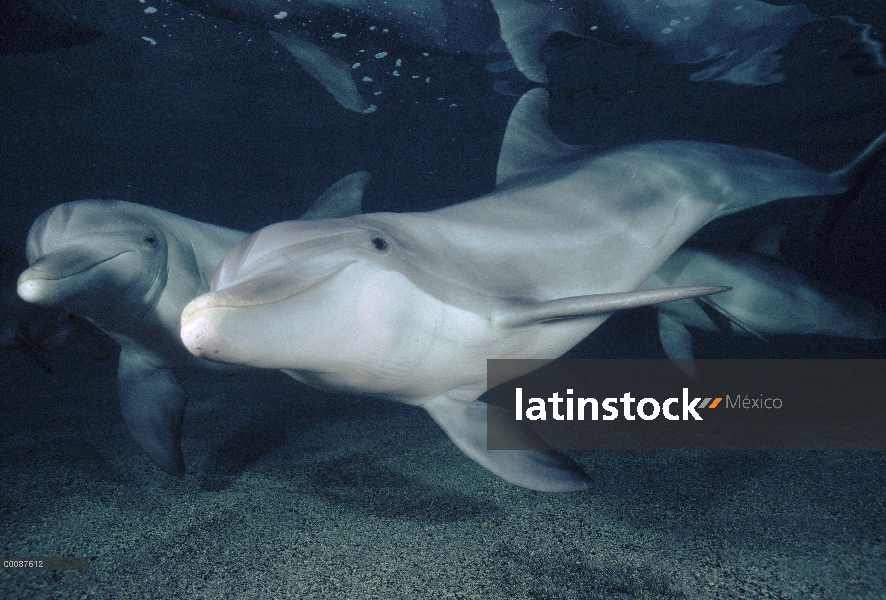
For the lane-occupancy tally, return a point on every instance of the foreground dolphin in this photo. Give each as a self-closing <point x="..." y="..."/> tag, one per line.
<point x="767" y="298"/>
<point x="410" y="306"/>
<point x="130" y="269"/>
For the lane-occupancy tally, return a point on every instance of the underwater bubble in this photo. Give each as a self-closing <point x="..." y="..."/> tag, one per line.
<point x="150" y="10"/>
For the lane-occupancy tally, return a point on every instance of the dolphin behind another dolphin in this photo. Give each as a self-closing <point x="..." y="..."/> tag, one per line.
<point x="130" y="270"/>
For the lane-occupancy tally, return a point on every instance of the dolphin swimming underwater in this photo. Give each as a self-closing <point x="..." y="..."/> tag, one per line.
<point x="737" y="42"/>
<point x="410" y="306"/>
<point x="130" y="270"/>
<point x="767" y="298"/>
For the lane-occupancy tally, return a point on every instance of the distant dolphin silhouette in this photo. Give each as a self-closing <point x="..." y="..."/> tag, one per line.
<point x="731" y="41"/>
<point x="410" y="306"/>
<point x="767" y="298"/>
<point x="130" y="269"/>
<point x="28" y="26"/>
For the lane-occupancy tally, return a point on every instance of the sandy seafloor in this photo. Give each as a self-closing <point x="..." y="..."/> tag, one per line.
<point x="294" y="493"/>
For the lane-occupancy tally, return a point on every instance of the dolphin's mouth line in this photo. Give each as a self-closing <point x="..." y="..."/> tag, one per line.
<point x="235" y="304"/>
<point x="65" y="275"/>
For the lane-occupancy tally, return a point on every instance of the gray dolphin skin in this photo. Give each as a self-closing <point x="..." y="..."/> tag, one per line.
<point x="130" y="270"/>
<point x="767" y="298"/>
<point x="736" y="42"/>
<point x="410" y="306"/>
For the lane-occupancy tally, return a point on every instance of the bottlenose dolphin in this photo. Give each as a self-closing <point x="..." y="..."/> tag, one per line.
<point x="737" y="42"/>
<point x="767" y="298"/>
<point x="410" y="306"/>
<point x="131" y="269"/>
<point x="336" y="41"/>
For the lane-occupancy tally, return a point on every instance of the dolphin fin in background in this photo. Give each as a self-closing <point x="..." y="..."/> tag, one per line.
<point x="676" y="339"/>
<point x="526" y="25"/>
<point x="724" y="320"/>
<point x="519" y="314"/>
<point x="465" y="421"/>
<point x="344" y="198"/>
<point x="677" y="344"/>
<point x="737" y="43"/>
<point x="333" y="74"/>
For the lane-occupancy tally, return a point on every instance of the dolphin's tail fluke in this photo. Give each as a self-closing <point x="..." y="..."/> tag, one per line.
<point x="853" y="177"/>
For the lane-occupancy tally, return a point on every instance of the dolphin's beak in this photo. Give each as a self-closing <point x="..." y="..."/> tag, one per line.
<point x="39" y="283"/>
<point x="199" y="324"/>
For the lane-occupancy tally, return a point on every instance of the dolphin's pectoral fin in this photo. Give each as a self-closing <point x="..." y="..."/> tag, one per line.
<point x="522" y="314"/>
<point x="153" y="406"/>
<point x="465" y="421"/>
<point x="677" y="343"/>
<point x="344" y="198"/>
<point x="723" y="320"/>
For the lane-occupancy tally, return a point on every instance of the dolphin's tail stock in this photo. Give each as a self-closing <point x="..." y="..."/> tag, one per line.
<point x="852" y="177"/>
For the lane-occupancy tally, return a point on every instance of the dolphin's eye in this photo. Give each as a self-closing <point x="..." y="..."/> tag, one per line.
<point x="379" y="243"/>
<point x="150" y="240"/>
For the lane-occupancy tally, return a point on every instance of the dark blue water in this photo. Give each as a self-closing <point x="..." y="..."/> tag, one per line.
<point x="217" y="122"/>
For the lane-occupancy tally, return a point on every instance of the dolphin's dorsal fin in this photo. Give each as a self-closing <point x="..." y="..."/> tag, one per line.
<point x="529" y="145"/>
<point x="344" y="198"/>
<point x="464" y="419"/>
<point x="522" y="314"/>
